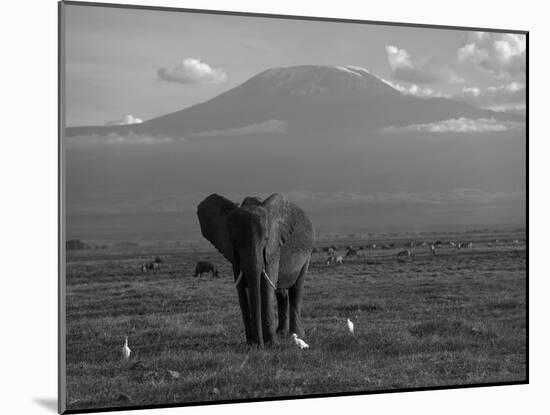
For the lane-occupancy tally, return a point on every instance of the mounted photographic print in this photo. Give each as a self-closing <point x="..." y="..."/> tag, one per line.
<point x="258" y="207"/>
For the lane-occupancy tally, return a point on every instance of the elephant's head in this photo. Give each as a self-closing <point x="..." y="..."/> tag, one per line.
<point x="250" y="236"/>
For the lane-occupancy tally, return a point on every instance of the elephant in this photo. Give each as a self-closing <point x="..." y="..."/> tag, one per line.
<point x="269" y="244"/>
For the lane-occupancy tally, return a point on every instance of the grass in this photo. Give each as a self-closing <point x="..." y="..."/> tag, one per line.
<point x="454" y="318"/>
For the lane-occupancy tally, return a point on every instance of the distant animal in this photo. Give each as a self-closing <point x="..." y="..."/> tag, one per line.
<point x="158" y="260"/>
<point x="299" y="342"/>
<point x="424" y="243"/>
<point x="335" y="259"/>
<point x="315" y="250"/>
<point x="490" y="245"/>
<point x="432" y="248"/>
<point x="329" y="249"/>
<point x="391" y="245"/>
<point x="452" y="244"/>
<point x="150" y="266"/>
<point x="350" y="325"/>
<point x="404" y="254"/>
<point x="410" y="244"/>
<point x="516" y="242"/>
<point x="351" y="252"/>
<point x="126" y="350"/>
<point x="373" y="246"/>
<point x="469" y="245"/>
<point x="205" y="266"/>
<point x="436" y="243"/>
<point x="386" y="247"/>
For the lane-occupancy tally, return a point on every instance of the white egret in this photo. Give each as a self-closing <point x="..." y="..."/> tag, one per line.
<point x="299" y="342"/>
<point x="126" y="350"/>
<point x="350" y="325"/>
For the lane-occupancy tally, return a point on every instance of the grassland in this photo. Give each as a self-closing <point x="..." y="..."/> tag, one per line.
<point x="455" y="318"/>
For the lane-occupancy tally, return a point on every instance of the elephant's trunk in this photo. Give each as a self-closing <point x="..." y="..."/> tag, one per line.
<point x="251" y="271"/>
<point x="254" y="293"/>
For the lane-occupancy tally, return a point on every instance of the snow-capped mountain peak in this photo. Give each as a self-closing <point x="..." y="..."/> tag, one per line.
<point x="318" y="79"/>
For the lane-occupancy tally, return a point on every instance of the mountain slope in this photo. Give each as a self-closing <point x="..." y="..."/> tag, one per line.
<point x="308" y="99"/>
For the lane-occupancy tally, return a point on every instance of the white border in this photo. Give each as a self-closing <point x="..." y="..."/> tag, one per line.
<point x="29" y="208"/>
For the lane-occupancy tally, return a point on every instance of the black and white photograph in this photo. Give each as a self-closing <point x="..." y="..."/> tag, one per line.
<point x="263" y="207"/>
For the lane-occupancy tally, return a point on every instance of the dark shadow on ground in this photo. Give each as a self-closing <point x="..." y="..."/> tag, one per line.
<point x="48" y="403"/>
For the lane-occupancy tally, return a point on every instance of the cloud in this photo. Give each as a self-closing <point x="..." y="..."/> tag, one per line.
<point x="415" y="90"/>
<point x="512" y="108"/>
<point x="404" y="69"/>
<point x="511" y="95"/>
<point x="127" y="120"/>
<point x="323" y="200"/>
<point x="458" y="125"/>
<point x="133" y="139"/>
<point x="309" y="200"/>
<point x="268" y="127"/>
<point x="85" y="141"/>
<point x="501" y="54"/>
<point x="192" y="71"/>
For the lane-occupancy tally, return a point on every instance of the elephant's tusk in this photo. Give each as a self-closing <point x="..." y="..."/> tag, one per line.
<point x="269" y="280"/>
<point x="239" y="278"/>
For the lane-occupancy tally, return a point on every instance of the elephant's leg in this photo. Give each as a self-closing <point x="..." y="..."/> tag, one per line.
<point x="282" y="311"/>
<point x="245" y="307"/>
<point x="245" y="310"/>
<point x="295" y="302"/>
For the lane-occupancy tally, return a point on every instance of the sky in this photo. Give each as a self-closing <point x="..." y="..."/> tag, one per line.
<point x="126" y="66"/>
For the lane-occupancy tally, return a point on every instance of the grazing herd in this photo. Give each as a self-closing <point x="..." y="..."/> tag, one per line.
<point x="333" y="257"/>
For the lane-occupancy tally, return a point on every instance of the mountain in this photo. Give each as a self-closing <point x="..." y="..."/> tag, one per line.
<point x="303" y="99"/>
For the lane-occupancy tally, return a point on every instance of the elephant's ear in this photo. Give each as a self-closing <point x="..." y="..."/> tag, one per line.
<point x="213" y="213"/>
<point x="280" y="218"/>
